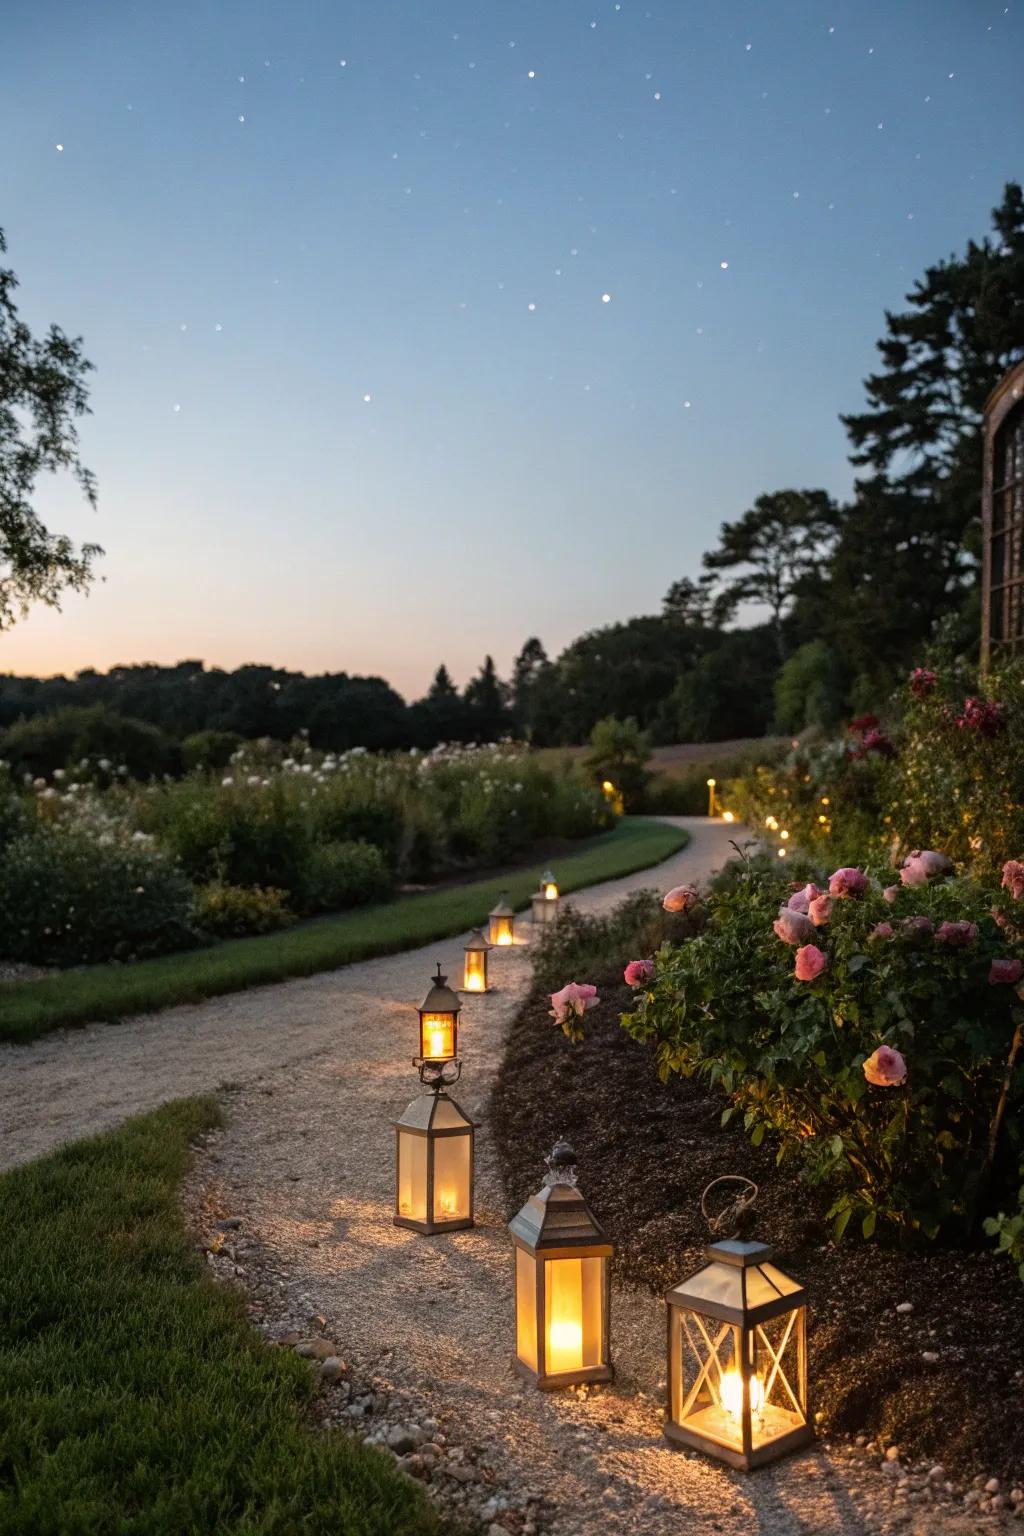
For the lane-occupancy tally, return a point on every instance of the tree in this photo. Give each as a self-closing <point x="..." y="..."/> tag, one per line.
<point x="780" y="547"/>
<point x="908" y="551"/>
<point x="42" y="394"/>
<point x="808" y="690"/>
<point x="619" y="752"/>
<point x="727" y="693"/>
<point x="528" y="667"/>
<point x="691" y="603"/>
<point x="442" y="686"/>
<point x="487" y="697"/>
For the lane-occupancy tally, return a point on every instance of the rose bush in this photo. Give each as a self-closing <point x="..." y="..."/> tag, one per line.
<point x="877" y="1060"/>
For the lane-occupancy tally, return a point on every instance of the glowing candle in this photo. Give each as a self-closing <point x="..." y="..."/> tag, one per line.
<point x="730" y="1387"/>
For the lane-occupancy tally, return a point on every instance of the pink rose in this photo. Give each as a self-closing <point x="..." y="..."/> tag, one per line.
<point x="923" y="865"/>
<point x="820" y="910"/>
<point x="793" y="927"/>
<point x="637" y="972"/>
<point x="681" y="898"/>
<point x="890" y="893"/>
<point x="801" y="900"/>
<point x="1013" y="878"/>
<point x="847" y="883"/>
<point x="573" y="1001"/>
<point x="885" y="1068"/>
<point x="810" y="962"/>
<point x="922" y="681"/>
<point x="956" y="934"/>
<point x="1005" y="971"/>
<point x="918" y="925"/>
<point x="882" y="931"/>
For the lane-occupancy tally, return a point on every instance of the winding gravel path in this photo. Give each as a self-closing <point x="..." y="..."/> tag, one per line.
<point x="313" y="1072"/>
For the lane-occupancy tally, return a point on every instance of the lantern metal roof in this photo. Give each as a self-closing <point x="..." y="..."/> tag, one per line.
<point x="557" y="1217"/>
<point x="547" y="878"/>
<point x="433" y="1112"/>
<point x="440" y="998"/>
<point x="502" y="909"/>
<point x="477" y="941"/>
<point x="739" y="1284"/>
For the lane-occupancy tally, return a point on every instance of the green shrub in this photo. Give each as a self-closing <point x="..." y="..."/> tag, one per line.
<point x="1009" y="1229"/>
<point x="66" y="898"/>
<point x="582" y="947"/>
<point x="241" y="833"/>
<point x="235" y="911"/>
<point x="619" y="752"/>
<point x="210" y="751"/>
<point x="809" y="690"/>
<point x="95" y="742"/>
<point x="789" y="1055"/>
<point x="340" y="875"/>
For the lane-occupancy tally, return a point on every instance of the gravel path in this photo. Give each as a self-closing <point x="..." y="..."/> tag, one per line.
<point x="313" y="1073"/>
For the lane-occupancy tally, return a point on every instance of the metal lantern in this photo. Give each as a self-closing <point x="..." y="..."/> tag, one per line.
<point x="439" y="1022"/>
<point x="549" y="885"/>
<point x="501" y="924"/>
<point x="543" y="909"/>
<point x="737" y="1358"/>
<point x="562" y="1284"/>
<point x="474" y="970"/>
<point x="434" y="1173"/>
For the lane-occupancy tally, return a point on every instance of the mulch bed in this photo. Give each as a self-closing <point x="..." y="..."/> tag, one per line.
<point x="646" y="1151"/>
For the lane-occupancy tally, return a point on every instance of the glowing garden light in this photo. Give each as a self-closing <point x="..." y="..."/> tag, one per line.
<point x="737" y="1357"/>
<point x="562" y="1285"/>
<point x="439" y="1022"/>
<point x="711" y="797"/>
<point x="549" y="885"/>
<point x="501" y="925"/>
<point x="474" y="966"/>
<point x="434" y="1161"/>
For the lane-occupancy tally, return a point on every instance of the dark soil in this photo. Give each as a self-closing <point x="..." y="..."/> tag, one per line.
<point x="646" y="1151"/>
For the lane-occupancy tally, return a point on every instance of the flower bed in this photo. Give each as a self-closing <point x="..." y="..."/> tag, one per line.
<point x="95" y="866"/>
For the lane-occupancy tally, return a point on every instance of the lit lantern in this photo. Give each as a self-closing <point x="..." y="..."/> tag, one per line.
<point x="501" y="924"/>
<point x="737" y="1358"/>
<point x="434" y="1155"/>
<point x="562" y="1285"/>
<point x="544" y="908"/>
<point x="474" y="970"/>
<point x="439" y="1022"/>
<point x="549" y="885"/>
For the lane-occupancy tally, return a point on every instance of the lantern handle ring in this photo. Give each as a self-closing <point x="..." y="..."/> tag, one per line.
<point x="736" y="1214"/>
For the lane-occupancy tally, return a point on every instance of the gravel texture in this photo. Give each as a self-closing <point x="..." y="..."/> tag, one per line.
<point x="412" y="1335"/>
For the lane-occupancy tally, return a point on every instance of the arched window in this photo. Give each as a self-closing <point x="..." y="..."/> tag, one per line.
<point x="1002" y="513"/>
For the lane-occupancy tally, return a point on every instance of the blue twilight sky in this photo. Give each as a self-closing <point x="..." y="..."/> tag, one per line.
<point x="361" y="401"/>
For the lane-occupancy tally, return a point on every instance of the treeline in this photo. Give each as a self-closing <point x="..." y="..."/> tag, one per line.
<point x="852" y="593"/>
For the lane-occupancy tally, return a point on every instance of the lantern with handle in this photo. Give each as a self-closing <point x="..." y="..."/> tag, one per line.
<point x="737" y="1353"/>
<point x="562" y="1285"/>
<point x="439" y="1022"/>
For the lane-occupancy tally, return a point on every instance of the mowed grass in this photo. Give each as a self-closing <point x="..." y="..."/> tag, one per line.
<point x="136" y="1398"/>
<point x="105" y="993"/>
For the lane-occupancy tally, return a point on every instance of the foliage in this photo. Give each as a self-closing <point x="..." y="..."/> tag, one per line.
<point x="789" y="1055"/>
<point x="591" y="945"/>
<point x="42" y="394"/>
<point x="619" y="753"/>
<point x="1009" y="1229"/>
<point x="684" y="791"/>
<point x="137" y="1395"/>
<point x="726" y="693"/>
<point x="340" y="875"/>
<point x="92" y="743"/>
<point x="779" y="547"/>
<point x="233" y="911"/>
<point x="808" y="690"/>
<point x="68" y="898"/>
<point x="210" y="750"/>
<point x="34" y="1008"/>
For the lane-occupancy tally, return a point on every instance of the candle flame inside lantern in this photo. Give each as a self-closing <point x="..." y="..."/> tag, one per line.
<point x="730" y="1387"/>
<point x="551" y="891"/>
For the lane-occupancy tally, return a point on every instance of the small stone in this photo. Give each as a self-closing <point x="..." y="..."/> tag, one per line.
<point x="992" y="1486"/>
<point x="905" y="1307"/>
<point x="463" y="1474"/>
<point x="929" y="1356"/>
<point x="1017" y="1495"/>
<point x="399" y="1440"/>
<point x="893" y="1453"/>
<point x="937" y="1473"/>
<point x="229" y="1224"/>
<point x="332" y="1368"/>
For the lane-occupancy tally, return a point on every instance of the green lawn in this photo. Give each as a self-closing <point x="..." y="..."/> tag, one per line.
<point x="136" y="1398"/>
<point x="110" y="992"/>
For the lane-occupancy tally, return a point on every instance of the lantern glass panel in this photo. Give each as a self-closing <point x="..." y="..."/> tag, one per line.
<point x="707" y="1377"/>
<point x="451" y="1178"/>
<point x="500" y="930"/>
<point x="474" y="976"/>
<point x="412" y="1176"/>
<point x="526" y="1309"/>
<point x="573" y="1304"/>
<point x="437" y="1036"/>
<point x="779" y="1369"/>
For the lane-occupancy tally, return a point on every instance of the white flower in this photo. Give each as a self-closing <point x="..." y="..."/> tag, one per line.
<point x="225" y="783"/>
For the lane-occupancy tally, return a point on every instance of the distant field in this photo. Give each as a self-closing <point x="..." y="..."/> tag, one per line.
<point x="674" y="762"/>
